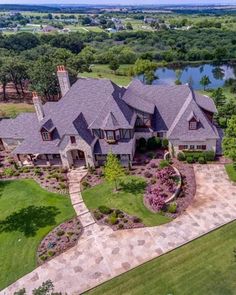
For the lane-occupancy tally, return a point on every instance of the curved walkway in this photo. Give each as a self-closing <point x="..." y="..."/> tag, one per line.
<point x="102" y="254"/>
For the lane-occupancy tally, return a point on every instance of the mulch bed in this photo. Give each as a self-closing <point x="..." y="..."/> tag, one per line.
<point x="53" y="179"/>
<point x="117" y="219"/>
<point x="59" y="240"/>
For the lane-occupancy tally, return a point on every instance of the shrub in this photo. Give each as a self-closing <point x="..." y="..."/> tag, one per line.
<point x="112" y="220"/>
<point x="118" y="211"/>
<point x="172" y="208"/>
<point x="151" y="155"/>
<point x="209" y="155"/>
<point x="163" y="164"/>
<point x="98" y="215"/>
<point x="190" y="160"/>
<point x="153" y="143"/>
<point x="63" y="185"/>
<point x="147" y="174"/>
<point x="165" y="143"/>
<point x="51" y="253"/>
<point x="37" y="171"/>
<point x="8" y="171"/>
<point x="16" y="173"/>
<point x="153" y="180"/>
<point x="60" y="233"/>
<point x="121" y="225"/>
<point x="136" y="219"/>
<point x="104" y="210"/>
<point x="234" y="165"/>
<point x="25" y="169"/>
<point x="181" y="156"/>
<point x="201" y="160"/>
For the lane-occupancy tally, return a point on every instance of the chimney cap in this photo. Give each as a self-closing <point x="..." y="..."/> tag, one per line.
<point x="61" y="68"/>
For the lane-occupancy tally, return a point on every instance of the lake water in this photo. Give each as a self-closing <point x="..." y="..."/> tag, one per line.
<point x="217" y="75"/>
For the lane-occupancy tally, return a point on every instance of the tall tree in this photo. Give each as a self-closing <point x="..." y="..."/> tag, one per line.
<point x="229" y="141"/>
<point x="113" y="170"/>
<point x="205" y="81"/>
<point x="146" y="68"/>
<point x="114" y="64"/>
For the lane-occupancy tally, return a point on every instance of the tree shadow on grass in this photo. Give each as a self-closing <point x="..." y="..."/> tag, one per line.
<point x="28" y="220"/>
<point x="134" y="186"/>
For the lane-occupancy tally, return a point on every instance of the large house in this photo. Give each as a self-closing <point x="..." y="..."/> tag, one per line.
<point x="96" y="116"/>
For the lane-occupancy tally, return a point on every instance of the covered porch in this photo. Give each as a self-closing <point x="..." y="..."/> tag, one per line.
<point x="40" y="160"/>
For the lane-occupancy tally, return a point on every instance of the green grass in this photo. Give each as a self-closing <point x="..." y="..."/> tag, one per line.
<point x="102" y="71"/>
<point x="13" y="109"/>
<point x="231" y="172"/>
<point x="22" y="231"/>
<point x="129" y="199"/>
<point x="226" y="91"/>
<point x="204" y="266"/>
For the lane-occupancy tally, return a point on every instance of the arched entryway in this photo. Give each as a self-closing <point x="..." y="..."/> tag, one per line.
<point x="78" y="158"/>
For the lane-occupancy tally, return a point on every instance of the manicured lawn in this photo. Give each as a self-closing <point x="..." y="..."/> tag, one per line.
<point x="129" y="199"/>
<point x="231" y="172"/>
<point x="103" y="71"/>
<point x="27" y="214"/>
<point x="205" y="266"/>
<point x="13" y="109"/>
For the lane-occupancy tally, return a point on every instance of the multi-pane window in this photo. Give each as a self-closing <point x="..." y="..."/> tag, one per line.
<point x="110" y="135"/>
<point x="125" y="133"/>
<point x="46" y="136"/>
<point x="201" y="147"/>
<point x="183" y="147"/>
<point x="192" y="147"/>
<point x="193" y="125"/>
<point x="99" y="133"/>
<point x="143" y="120"/>
<point x="72" y="139"/>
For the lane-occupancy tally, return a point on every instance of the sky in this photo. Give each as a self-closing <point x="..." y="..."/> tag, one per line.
<point x="121" y="2"/>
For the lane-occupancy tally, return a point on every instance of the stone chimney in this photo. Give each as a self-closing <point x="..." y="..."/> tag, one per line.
<point x="38" y="106"/>
<point x="63" y="79"/>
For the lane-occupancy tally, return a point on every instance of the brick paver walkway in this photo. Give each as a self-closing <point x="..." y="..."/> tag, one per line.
<point x="102" y="254"/>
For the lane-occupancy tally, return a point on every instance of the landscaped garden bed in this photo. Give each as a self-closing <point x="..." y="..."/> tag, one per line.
<point x="59" y="239"/>
<point x="53" y="179"/>
<point x="116" y="219"/>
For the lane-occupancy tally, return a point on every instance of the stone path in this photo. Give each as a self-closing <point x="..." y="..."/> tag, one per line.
<point x="74" y="178"/>
<point x="102" y="254"/>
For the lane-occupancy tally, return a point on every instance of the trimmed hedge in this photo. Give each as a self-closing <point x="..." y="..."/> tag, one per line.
<point x="198" y="156"/>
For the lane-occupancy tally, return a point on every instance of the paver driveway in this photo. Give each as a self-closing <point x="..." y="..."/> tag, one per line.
<point x="102" y="254"/>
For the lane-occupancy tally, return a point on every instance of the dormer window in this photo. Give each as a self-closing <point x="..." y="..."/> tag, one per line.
<point x="46" y="135"/>
<point x="110" y="135"/>
<point x="72" y="139"/>
<point x="193" y="125"/>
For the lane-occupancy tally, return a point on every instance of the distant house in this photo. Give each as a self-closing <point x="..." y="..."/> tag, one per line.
<point x="95" y="117"/>
<point x="150" y="20"/>
<point x="49" y="29"/>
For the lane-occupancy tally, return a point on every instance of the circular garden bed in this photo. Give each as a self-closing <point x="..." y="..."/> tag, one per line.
<point x="59" y="239"/>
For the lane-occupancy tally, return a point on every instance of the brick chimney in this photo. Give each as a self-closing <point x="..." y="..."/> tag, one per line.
<point x="38" y="106"/>
<point x="63" y="79"/>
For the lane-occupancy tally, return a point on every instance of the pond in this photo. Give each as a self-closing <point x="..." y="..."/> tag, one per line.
<point x="193" y="74"/>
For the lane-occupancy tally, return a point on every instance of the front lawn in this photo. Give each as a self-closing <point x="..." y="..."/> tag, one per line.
<point x="128" y="199"/>
<point x="103" y="71"/>
<point x="27" y="214"/>
<point x="231" y="172"/>
<point x="204" y="266"/>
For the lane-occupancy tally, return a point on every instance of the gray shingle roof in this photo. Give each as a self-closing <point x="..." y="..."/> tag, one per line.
<point x="122" y="147"/>
<point x="180" y="126"/>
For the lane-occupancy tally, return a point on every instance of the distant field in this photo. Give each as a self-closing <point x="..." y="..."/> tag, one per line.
<point x="13" y="109"/>
<point x="102" y="71"/>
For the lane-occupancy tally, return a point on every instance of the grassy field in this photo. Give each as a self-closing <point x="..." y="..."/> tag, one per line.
<point x="205" y="266"/>
<point x="13" y="109"/>
<point x="27" y="214"/>
<point x="128" y="199"/>
<point x="231" y="172"/>
<point x="102" y="71"/>
<point x="226" y="92"/>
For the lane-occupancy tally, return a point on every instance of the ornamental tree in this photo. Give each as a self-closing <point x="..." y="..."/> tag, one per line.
<point x="205" y="81"/>
<point x="113" y="170"/>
